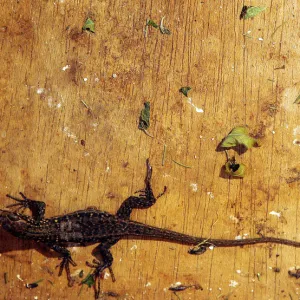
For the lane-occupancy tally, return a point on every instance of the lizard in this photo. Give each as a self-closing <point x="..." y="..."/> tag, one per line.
<point x="90" y="226"/>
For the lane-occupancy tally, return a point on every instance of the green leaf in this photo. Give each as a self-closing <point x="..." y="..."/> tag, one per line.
<point x="152" y="23"/>
<point x="144" y="121"/>
<point x="249" y="12"/>
<point x="88" y="280"/>
<point x="234" y="169"/>
<point x="89" y="25"/>
<point x="184" y="90"/>
<point x="239" y="136"/>
<point x="297" y="101"/>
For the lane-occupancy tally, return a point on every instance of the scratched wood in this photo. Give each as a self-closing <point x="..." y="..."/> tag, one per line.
<point x="56" y="149"/>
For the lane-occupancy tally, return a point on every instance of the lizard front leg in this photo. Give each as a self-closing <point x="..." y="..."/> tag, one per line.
<point x="37" y="207"/>
<point x="66" y="261"/>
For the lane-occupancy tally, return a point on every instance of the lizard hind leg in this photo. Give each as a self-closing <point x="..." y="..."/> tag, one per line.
<point x="145" y="199"/>
<point x="99" y="266"/>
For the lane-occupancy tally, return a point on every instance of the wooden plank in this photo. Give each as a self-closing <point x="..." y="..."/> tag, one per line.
<point x="55" y="148"/>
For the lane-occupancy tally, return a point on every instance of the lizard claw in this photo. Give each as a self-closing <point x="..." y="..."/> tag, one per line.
<point x="65" y="264"/>
<point x="97" y="274"/>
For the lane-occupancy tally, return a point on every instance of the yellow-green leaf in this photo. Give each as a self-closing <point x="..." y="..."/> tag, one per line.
<point x="249" y="12"/>
<point x="234" y="169"/>
<point x="239" y="136"/>
<point x="89" y="25"/>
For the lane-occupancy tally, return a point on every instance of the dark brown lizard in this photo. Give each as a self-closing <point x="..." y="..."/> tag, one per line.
<point x="91" y="226"/>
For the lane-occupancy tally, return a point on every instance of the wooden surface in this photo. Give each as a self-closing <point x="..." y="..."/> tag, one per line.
<point x="54" y="149"/>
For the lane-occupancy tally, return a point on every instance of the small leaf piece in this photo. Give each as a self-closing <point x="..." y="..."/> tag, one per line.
<point x="234" y="169"/>
<point x="144" y="121"/>
<point x="184" y="90"/>
<point x="152" y="23"/>
<point x="89" y="25"/>
<point x="297" y="101"/>
<point x="88" y="280"/>
<point x="239" y="136"/>
<point x="249" y="12"/>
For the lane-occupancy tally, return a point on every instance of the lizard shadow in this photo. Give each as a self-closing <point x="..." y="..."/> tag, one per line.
<point x="11" y="243"/>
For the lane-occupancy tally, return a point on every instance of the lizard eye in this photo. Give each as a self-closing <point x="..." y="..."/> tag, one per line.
<point x="13" y="217"/>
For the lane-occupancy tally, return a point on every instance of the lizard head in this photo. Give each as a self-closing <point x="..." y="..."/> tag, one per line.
<point x="13" y="222"/>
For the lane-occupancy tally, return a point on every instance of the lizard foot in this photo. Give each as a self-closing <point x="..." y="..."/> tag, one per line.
<point x="97" y="274"/>
<point x="65" y="264"/>
<point x="21" y="203"/>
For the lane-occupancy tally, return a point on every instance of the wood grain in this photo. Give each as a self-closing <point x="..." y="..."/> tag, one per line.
<point x="56" y="149"/>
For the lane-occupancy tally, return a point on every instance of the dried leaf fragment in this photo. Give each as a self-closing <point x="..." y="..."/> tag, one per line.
<point x="239" y="136"/>
<point x="184" y="90"/>
<point x="34" y="284"/>
<point x="162" y="28"/>
<point x="297" y="101"/>
<point x="89" y="25"/>
<point x="234" y="169"/>
<point x="144" y="121"/>
<point x="249" y="12"/>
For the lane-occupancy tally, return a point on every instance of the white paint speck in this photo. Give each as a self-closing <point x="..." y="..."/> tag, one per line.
<point x="211" y="247"/>
<point x="233" y="283"/>
<point x="234" y="219"/>
<point x="296" y="142"/>
<point x="200" y="136"/>
<point x="211" y="195"/>
<point x="85" y="79"/>
<point x="239" y="271"/>
<point x="19" y="277"/>
<point x="66" y="130"/>
<point x="273" y="131"/>
<point x="106" y="275"/>
<point x="40" y="91"/>
<point x="66" y="67"/>
<point x="238" y="237"/>
<point x="148" y="284"/>
<point x="96" y="79"/>
<point x="114" y="75"/>
<point x="51" y="103"/>
<point x="296" y="130"/>
<point x="194" y="187"/>
<point x="199" y="110"/>
<point x="35" y="297"/>
<point x="249" y="31"/>
<point x="275" y="213"/>
<point x="260" y="39"/>
<point x="176" y="284"/>
<point x="134" y="247"/>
